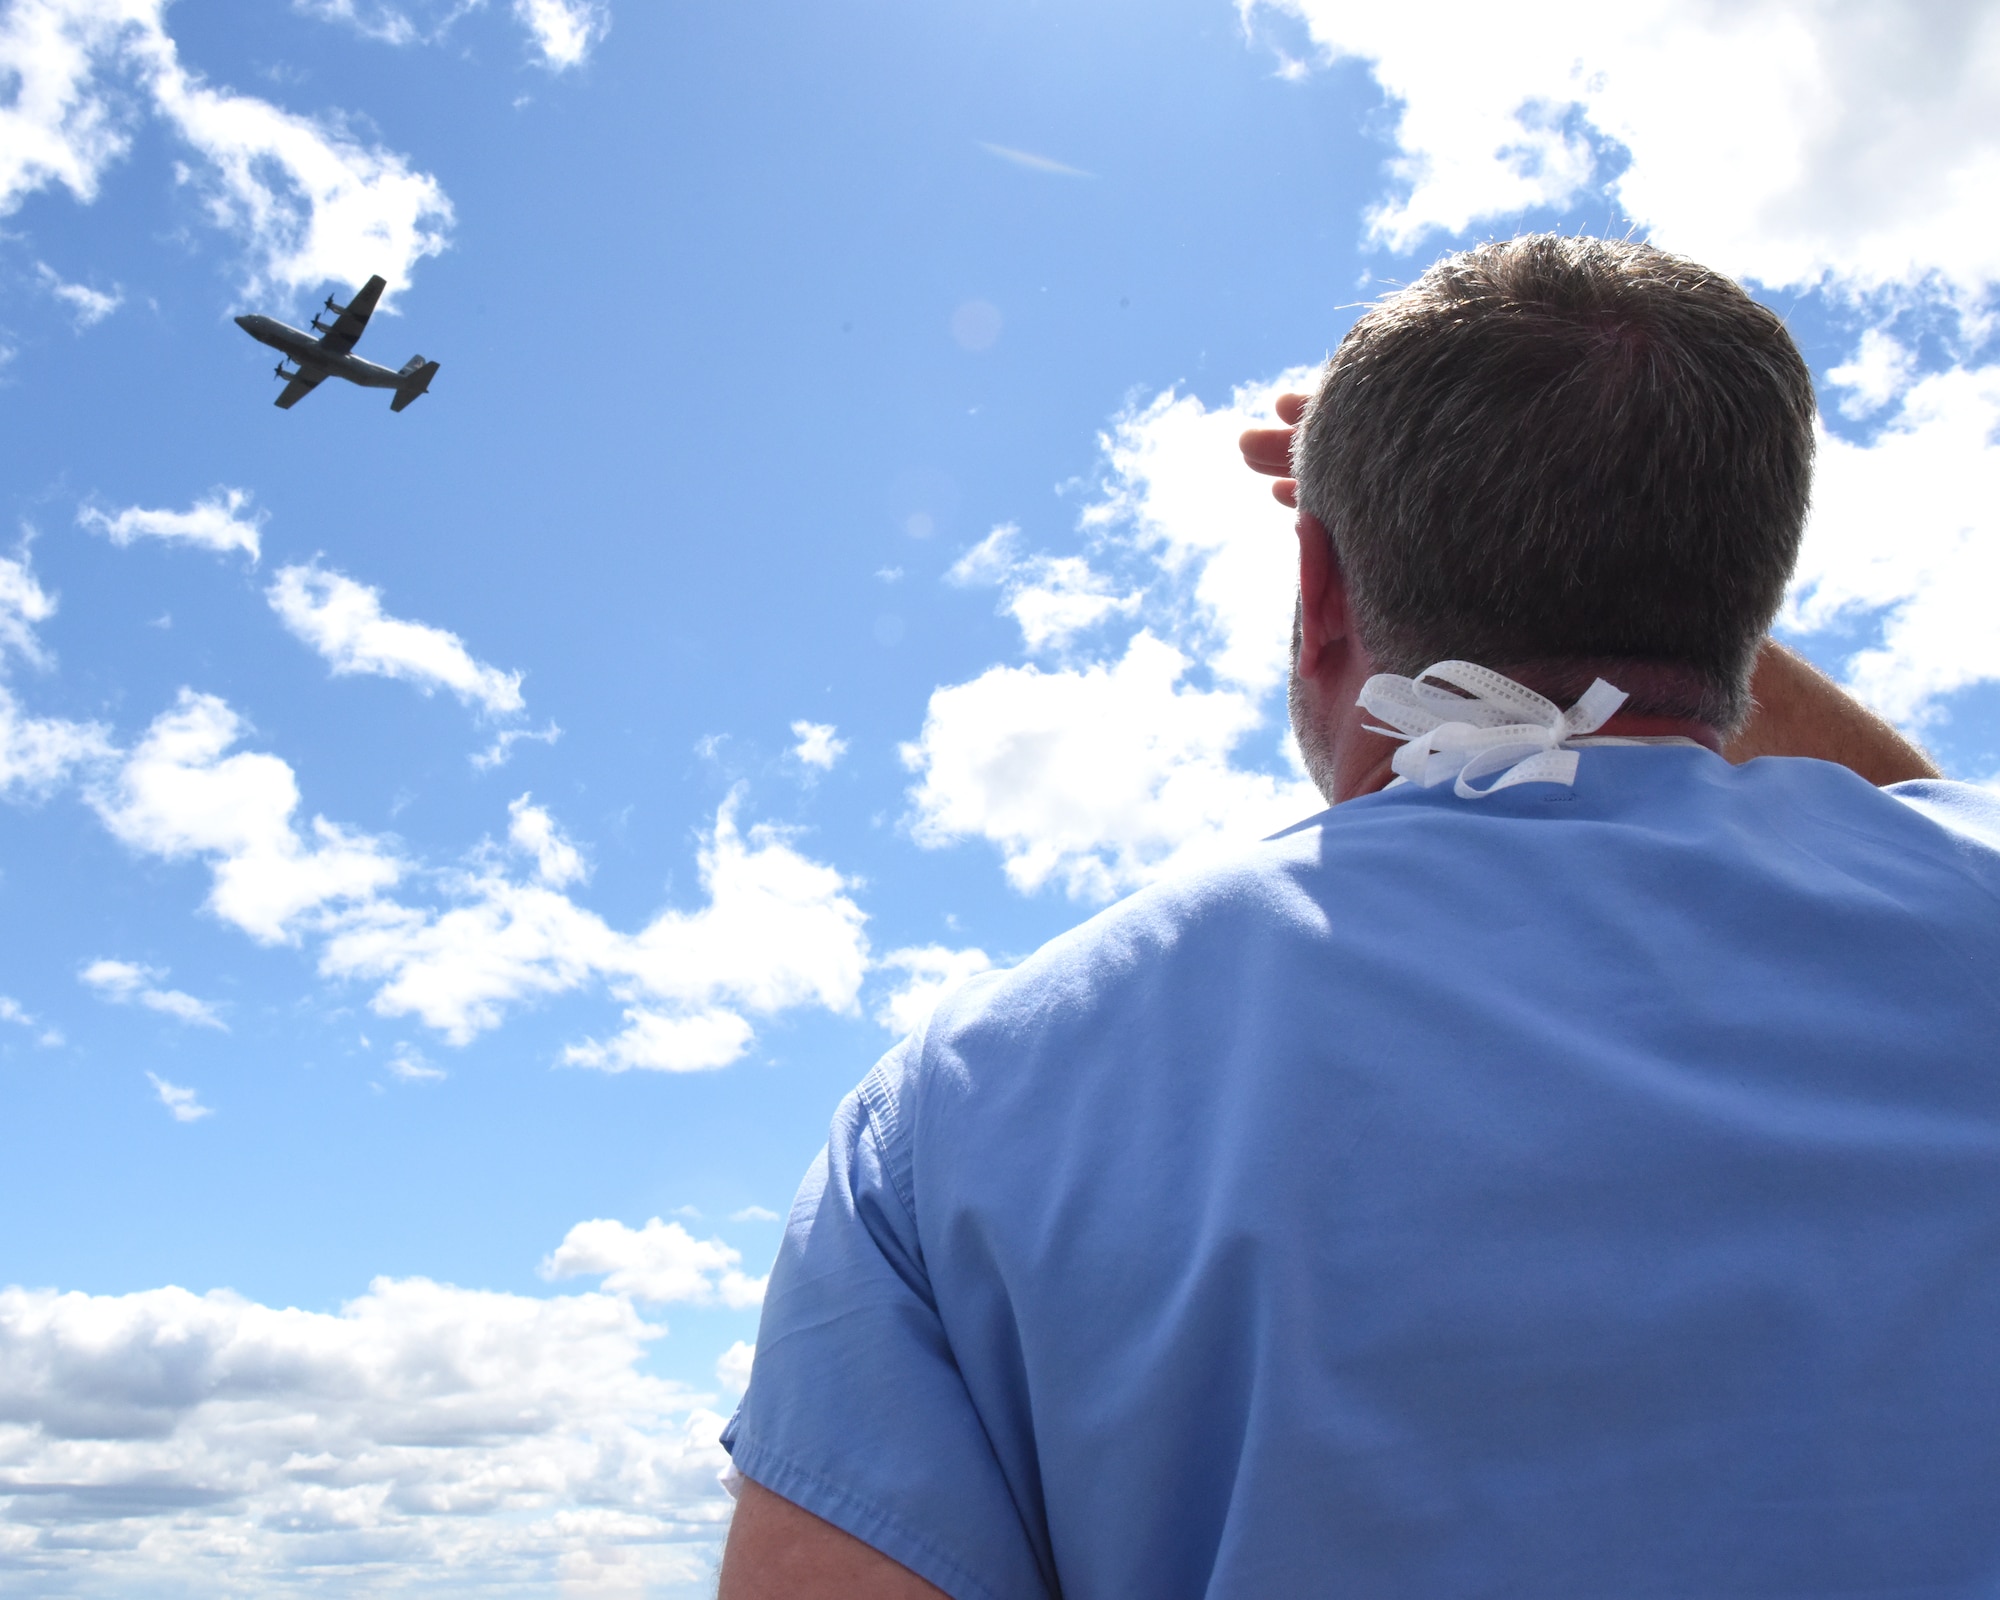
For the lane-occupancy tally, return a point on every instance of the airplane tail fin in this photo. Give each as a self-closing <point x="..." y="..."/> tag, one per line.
<point x="415" y="379"/>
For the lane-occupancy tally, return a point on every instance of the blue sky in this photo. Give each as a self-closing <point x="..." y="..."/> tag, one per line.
<point x="452" y="862"/>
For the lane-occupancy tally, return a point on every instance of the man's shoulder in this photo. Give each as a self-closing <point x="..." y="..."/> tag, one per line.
<point x="1963" y="810"/>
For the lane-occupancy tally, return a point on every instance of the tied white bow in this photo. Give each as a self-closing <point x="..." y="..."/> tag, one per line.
<point x="1503" y="727"/>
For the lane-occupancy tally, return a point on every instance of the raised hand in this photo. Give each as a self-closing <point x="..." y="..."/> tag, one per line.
<point x="1269" y="450"/>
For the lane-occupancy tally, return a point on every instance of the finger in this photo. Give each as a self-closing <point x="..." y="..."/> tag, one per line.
<point x="1291" y="407"/>
<point x="1287" y="491"/>
<point x="1267" y="450"/>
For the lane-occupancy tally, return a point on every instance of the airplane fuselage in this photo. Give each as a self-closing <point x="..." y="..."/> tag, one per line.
<point x="308" y="352"/>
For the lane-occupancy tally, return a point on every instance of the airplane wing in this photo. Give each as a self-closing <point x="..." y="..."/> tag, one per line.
<point x="302" y="384"/>
<point x="346" y="333"/>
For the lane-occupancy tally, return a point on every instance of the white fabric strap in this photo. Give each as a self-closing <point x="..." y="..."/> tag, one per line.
<point x="1496" y="725"/>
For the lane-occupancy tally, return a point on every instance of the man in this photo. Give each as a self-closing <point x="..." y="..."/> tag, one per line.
<point x="1573" y="1171"/>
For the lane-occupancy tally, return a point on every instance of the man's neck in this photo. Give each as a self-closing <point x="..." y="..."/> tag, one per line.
<point x="1352" y="761"/>
<point x="1636" y="725"/>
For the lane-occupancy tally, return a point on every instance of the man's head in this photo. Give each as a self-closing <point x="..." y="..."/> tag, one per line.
<point x="1565" y="457"/>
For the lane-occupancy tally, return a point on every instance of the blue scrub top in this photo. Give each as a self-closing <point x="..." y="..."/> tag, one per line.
<point x="1577" y="1192"/>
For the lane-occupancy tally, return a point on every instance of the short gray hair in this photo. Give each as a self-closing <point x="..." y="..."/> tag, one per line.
<point x="1567" y="454"/>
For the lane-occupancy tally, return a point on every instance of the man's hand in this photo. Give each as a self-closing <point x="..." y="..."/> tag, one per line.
<point x="1269" y="450"/>
<point x="777" y="1551"/>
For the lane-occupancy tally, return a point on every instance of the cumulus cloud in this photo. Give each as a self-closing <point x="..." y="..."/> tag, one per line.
<point x="180" y="794"/>
<point x="509" y="1442"/>
<point x="87" y="306"/>
<point x="1118" y="766"/>
<point x="661" y="1262"/>
<point x="309" y="201"/>
<point x="12" y="1011"/>
<point x="181" y="1103"/>
<point x="662" y="1041"/>
<point x="816" y="745"/>
<point x="218" y="522"/>
<point x="410" y="1064"/>
<point x="1053" y="599"/>
<point x="533" y="832"/>
<point x="501" y="750"/>
<point x="344" y="621"/>
<point x="388" y="24"/>
<point x="1857" y="142"/>
<point x="1877" y="373"/>
<point x="563" y="31"/>
<point x="732" y="1367"/>
<point x="1904" y="543"/>
<point x="129" y="983"/>
<point x="36" y="753"/>
<point x="930" y="972"/>
<point x="24" y="606"/>
<point x="777" y="931"/>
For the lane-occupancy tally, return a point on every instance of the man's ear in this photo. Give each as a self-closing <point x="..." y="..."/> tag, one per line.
<point x="1324" y="623"/>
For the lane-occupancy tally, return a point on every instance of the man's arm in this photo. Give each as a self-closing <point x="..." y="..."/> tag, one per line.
<point x="1802" y="712"/>
<point x="776" y="1551"/>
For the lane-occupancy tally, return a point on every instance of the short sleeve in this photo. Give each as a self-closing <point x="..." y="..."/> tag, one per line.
<point x="856" y="1408"/>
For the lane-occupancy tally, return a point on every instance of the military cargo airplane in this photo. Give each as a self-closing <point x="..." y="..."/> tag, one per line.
<point x="329" y="356"/>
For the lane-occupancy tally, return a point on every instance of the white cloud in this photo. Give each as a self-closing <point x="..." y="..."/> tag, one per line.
<point x="128" y="983"/>
<point x="422" y="1434"/>
<point x="778" y="931"/>
<point x="754" y="1214"/>
<point x="989" y="561"/>
<point x="179" y="794"/>
<point x="1781" y="140"/>
<point x="1905" y="535"/>
<point x="661" y="1262"/>
<point x="410" y="1064"/>
<point x="533" y="832"/>
<point x="37" y="753"/>
<point x="11" y="1010"/>
<point x="1114" y="769"/>
<point x="87" y="306"/>
<point x="817" y="746"/>
<point x="310" y="202"/>
<point x="217" y="522"/>
<point x="344" y="621"/>
<point x="1033" y="162"/>
<point x="732" y="1367"/>
<point x="180" y="1102"/>
<point x="501" y="750"/>
<point x="1877" y="373"/>
<point x="24" y="606"/>
<point x="930" y="972"/>
<point x="659" y="1041"/>
<point x="563" y="31"/>
<point x="1053" y="599"/>
<point x="387" y="24"/>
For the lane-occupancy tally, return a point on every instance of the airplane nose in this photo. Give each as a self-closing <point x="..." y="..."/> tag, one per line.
<point x="243" y="323"/>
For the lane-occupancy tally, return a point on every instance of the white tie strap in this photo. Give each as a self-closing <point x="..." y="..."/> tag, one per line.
<point x="1502" y="727"/>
